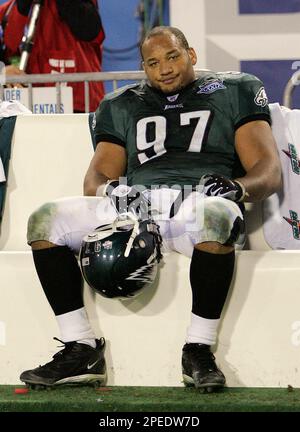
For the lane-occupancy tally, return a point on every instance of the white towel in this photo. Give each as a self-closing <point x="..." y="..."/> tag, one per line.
<point x="281" y="211"/>
<point x="12" y="108"/>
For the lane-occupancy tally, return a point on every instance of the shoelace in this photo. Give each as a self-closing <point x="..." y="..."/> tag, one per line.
<point x="67" y="348"/>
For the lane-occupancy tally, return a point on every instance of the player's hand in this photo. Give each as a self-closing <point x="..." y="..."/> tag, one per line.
<point x="13" y="70"/>
<point x="218" y="185"/>
<point x="127" y="199"/>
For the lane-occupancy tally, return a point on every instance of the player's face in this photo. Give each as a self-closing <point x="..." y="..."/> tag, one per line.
<point x="168" y="65"/>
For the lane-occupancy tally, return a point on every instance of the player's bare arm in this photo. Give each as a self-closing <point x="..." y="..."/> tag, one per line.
<point x="108" y="162"/>
<point x="256" y="148"/>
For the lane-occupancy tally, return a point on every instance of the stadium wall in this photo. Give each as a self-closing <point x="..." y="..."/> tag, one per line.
<point x="259" y="338"/>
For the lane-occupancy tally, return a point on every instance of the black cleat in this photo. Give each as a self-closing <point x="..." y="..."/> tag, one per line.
<point x="199" y="368"/>
<point x="77" y="363"/>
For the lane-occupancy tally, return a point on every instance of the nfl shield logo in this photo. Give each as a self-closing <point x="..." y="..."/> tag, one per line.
<point x="107" y="245"/>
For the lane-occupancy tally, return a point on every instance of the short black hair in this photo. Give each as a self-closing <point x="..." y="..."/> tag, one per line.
<point x="159" y="30"/>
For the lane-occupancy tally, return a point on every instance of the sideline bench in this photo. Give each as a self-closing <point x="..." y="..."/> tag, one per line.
<point x="259" y="341"/>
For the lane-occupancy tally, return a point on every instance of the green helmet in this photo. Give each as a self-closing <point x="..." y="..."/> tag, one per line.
<point x="120" y="259"/>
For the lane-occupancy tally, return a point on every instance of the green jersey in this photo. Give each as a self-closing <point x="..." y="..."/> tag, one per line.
<point x="175" y="139"/>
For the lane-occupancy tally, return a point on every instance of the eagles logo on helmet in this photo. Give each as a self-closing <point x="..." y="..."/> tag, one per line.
<point x="120" y="259"/>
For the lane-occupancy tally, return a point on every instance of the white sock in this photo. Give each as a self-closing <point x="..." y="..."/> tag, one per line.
<point x="75" y="326"/>
<point x="90" y="342"/>
<point x="202" y="330"/>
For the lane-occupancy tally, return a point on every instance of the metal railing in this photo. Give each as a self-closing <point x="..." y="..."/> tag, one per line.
<point x="59" y="79"/>
<point x="115" y="77"/>
<point x="85" y="77"/>
<point x="292" y="83"/>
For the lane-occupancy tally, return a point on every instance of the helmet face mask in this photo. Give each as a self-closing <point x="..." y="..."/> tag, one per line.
<point x="119" y="260"/>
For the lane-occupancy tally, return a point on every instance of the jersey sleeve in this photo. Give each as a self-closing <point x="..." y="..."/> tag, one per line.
<point x="250" y="101"/>
<point x="106" y="126"/>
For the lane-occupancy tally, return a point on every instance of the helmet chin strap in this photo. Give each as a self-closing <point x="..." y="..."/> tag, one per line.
<point x="133" y="234"/>
<point x="104" y="231"/>
<point x="126" y="219"/>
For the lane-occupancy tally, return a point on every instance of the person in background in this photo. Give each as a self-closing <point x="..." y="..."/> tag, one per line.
<point x="10" y="70"/>
<point x="6" y="69"/>
<point x="68" y="39"/>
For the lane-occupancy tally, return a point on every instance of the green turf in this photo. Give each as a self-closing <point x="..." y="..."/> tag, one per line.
<point x="149" y="399"/>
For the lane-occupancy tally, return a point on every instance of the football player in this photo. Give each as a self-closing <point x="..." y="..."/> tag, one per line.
<point x="178" y="151"/>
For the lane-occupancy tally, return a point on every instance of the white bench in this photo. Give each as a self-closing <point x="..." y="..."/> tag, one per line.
<point x="259" y="339"/>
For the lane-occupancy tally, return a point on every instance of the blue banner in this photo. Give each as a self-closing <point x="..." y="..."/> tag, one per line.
<point x="268" y="6"/>
<point x="274" y="74"/>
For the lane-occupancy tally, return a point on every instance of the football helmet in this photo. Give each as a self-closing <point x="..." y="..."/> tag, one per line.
<point x="120" y="259"/>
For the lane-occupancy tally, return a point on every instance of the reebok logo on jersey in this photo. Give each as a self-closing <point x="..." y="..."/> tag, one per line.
<point x="211" y="87"/>
<point x="261" y="98"/>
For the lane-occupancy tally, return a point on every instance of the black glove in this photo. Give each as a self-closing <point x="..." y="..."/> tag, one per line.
<point x="218" y="185"/>
<point x="127" y="199"/>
